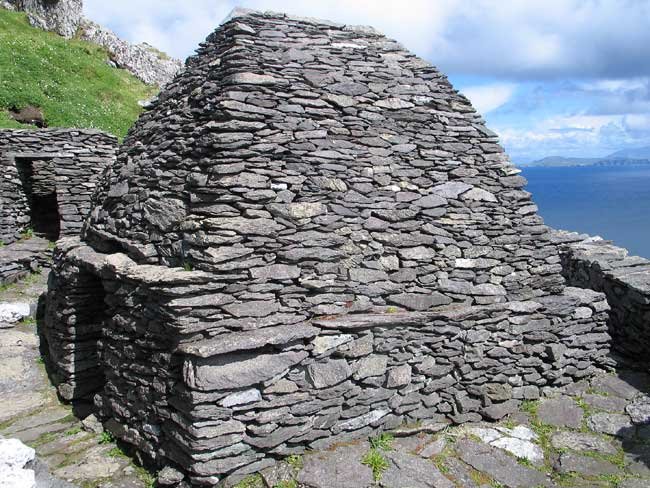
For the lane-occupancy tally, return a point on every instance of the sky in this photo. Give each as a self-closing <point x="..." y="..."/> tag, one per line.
<point x="551" y="77"/>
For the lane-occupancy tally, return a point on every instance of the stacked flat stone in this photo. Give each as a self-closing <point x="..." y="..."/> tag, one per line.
<point x="597" y="264"/>
<point x="68" y="160"/>
<point x="310" y="236"/>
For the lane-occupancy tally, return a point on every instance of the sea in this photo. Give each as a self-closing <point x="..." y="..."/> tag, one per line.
<point x="612" y="202"/>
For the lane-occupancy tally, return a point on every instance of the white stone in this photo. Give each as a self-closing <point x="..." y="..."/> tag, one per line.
<point x="12" y="312"/>
<point x="17" y="478"/>
<point x="242" y="397"/>
<point x="485" y="434"/>
<point x="520" y="432"/>
<point x="15" y="454"/>
<point x="325" y="343"/>
<point x="478" y="194"/>
<point x="393" y="103"/>
<point x="520" y="448"/>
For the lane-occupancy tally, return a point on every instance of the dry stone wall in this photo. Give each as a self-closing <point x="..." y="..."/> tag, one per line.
<point x="310" y="235"/>
<point x="599" y="265"/>
<point x="62" y="164"/>
<point x="233" y="403"/>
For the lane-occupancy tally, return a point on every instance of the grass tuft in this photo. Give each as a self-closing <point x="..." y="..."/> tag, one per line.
<point x="106" y="437"/>
<point x="375" y="460"/>
<point x="382" y="442"/>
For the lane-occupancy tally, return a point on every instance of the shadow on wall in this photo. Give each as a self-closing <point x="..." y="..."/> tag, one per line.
<point x="70" y="344"/>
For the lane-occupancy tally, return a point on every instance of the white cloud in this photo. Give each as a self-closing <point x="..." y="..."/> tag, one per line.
<point x="514" y="39"/>
<point x="486" y="98"/>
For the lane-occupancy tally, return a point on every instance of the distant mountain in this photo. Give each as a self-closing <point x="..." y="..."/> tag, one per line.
<point x="624" y="157"/>
<point x="636" y="153"/>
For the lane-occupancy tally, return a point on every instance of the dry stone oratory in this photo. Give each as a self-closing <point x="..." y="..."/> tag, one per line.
<point x="310" y="236"/>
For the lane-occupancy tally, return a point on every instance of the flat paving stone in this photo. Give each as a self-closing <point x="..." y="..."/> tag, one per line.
<point x="45" y="417"/>
<point x="460" y="473"/>
<point x="520" y="449"/>
<point x="96" y="464"/>
<point x="613" y="385"/>
<point x="341" y="468"/>
<point x="569" y="462"/>
<point x="499" y="465"/>
<point x="409" y="471"/>
<point x="579" y="441"/>
<point x="634" y="483"/>
<point x="606" y="403"/>
<point x="560" y="412"/>
<point x="615" y="424"/>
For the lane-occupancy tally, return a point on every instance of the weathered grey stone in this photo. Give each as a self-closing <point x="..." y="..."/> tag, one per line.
<point x="579" y="441"/>
<point x="639" y="411"/>
<point x="276" y="272"/>
<point x="498" y="465"/>
<point x="341" y="468"/>
<point x="329" y="373"/>
<point x="409" y="471"/>
<point x="416" y="301"/>
<point x="560" y="412"/>
<point x="371" y="366"/>
<point x="452" y="189"/>
<point x="569" y="462"/>
<point x="240" y="341"/>
<point x="399" y="376"/>
<point x="611" y="423"/>
<point x="236" y="370"/>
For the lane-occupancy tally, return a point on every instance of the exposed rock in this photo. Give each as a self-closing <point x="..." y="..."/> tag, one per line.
<point x="569" y="462"/>
<point x="579" y="441"/>
<point x="10" y="313"/>
<point x="560" y="412"/>
<point x="611" y="423"/>
<point x="499" y="465"/>
<point x="341" y="468"/>
<point x="409" y="471"/>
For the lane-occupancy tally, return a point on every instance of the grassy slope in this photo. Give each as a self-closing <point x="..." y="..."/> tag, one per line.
<point x="69" y="80"/>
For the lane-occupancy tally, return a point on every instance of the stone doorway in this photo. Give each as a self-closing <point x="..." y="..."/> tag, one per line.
<point x="37" y="176"/>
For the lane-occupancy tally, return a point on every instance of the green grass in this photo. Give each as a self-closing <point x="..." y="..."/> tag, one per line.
<point x="69" y="80"/>
<point x="382" y="442"/>
<point x="72" y="431"/>
<point x="106" y="438"/>
<point x="252" y="481"/>
<point x="376" y="462"/>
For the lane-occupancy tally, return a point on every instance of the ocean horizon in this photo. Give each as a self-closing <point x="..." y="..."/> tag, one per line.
<point x="612" y="202"/>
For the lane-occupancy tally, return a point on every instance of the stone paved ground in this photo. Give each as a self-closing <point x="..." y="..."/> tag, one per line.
<point x="30" y="411"/>
<point x="592" y="434"/>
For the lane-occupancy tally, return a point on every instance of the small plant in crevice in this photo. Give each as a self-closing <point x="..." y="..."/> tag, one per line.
<point x="187" y="266"/>
<point x="106" y="437"/>
<point x="73" y="431"/>
<point x="375" y="460"/>
<point x="295" y="461"/>
<point x="27" y="233"/>
<point x="382" y="442"/>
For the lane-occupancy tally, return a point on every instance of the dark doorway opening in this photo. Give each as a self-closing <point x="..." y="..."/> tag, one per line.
<point x="38" y="180"/>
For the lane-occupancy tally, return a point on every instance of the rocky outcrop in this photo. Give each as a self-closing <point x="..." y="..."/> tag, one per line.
<point x="144" y="61"/>
<point x="308" y="237"/>
<point x="65" y="17"/>
<point x="60" y="16"/>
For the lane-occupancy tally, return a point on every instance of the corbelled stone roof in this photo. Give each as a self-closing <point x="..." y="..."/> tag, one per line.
<point x="329" y="156"/>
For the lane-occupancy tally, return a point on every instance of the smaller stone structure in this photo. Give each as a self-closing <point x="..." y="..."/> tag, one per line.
<point x="599" y="265"/>
<point x="49" y="177"/>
